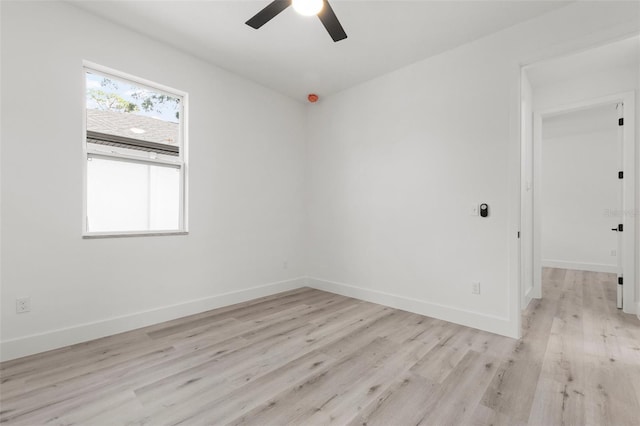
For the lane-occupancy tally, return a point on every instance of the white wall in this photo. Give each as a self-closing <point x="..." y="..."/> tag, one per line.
<point x="391" y="170"/>
<point x="395" y="164"/>
<point x="585" y="86"/>
<point x="246" y="193"/>
<point x="580" y="190"/>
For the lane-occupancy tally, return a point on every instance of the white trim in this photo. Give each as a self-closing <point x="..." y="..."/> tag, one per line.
<point x="490" y="323"/>
<point x="525" y="285"/>
<point x="41" y="342"/>
<point x="579" y="266"/>
<point x="587" y="104"/>
<point x="115" y="156"/>
<point x="537" y="211"/>
<point x="123" y="154"/>
<point x="528" y="297"/>
<point x="514" y="211"/>
<point x="122" y="234"/>
<point x="184" y="152"/>
<point x="83" y="139"/>
<point x="630" y="253"/>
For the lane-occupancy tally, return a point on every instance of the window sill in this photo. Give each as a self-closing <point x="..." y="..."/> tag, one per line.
<point x="96" y="235"/>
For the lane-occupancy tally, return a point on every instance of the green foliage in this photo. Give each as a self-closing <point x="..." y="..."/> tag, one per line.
<point x="153" y="101"/>
<point x="111" y="101"/>
<point x="146" y="100"/>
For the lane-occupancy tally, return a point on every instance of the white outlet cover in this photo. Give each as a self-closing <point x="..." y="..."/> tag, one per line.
<point x="23" y="305"/>
<point x="475" y="287"/>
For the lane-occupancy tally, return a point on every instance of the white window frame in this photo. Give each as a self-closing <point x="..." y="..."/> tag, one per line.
<point x="123" y="154"/>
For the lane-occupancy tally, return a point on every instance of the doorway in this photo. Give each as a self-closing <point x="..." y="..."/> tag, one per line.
<point x="582" y="216"/>
<point x="581" y="191"/>
<point x="578" y="197"/>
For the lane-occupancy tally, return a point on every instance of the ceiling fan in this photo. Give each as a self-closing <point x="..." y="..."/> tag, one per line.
<point x="304" y="7"/>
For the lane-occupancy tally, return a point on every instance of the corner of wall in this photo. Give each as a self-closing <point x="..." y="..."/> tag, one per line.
<point x="493" y="324"/>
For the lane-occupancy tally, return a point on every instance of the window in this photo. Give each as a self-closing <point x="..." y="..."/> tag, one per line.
<point x="135" y="163"/>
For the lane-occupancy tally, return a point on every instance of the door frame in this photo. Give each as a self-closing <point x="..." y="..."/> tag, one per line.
<point x="627" y="218"/>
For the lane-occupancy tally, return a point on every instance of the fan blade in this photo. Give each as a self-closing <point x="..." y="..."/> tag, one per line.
<point x="330" y="21"/>
<point x="268" y="13"/>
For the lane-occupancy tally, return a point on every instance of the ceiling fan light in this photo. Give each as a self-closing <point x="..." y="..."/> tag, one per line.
<point x="307" y="7"/>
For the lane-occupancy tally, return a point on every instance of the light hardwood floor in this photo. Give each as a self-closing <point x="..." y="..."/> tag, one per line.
<point x="312" y="358"/>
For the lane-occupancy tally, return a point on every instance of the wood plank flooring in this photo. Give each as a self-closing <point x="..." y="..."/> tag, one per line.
<point x="307" y="357"/>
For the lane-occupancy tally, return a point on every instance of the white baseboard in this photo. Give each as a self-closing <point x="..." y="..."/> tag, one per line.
<point x="528" y="296"/>
<point x="493" y="324"/>
<point x="36" y="343"/>
<point x="580" y="266"/>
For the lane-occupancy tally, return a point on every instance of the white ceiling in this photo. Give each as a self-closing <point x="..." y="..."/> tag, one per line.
<point x="623" y="53"/>
<point x="294" y="55"/>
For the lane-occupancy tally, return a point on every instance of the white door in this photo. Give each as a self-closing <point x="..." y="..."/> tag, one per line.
<point x="619" y="213"/>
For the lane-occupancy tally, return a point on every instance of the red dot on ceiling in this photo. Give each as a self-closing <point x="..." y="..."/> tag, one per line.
<point x="312" y="97"/>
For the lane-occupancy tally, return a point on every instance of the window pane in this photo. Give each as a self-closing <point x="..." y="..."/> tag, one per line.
<point x="131" y="196"/>
<point x="164" y="197"/>
<point x="122" y="108"/>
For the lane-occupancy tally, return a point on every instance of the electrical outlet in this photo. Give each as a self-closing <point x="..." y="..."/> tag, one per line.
<point x="614" y="253"/>
<point x="23" y="305"/>
<point x="475" y="287"/>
